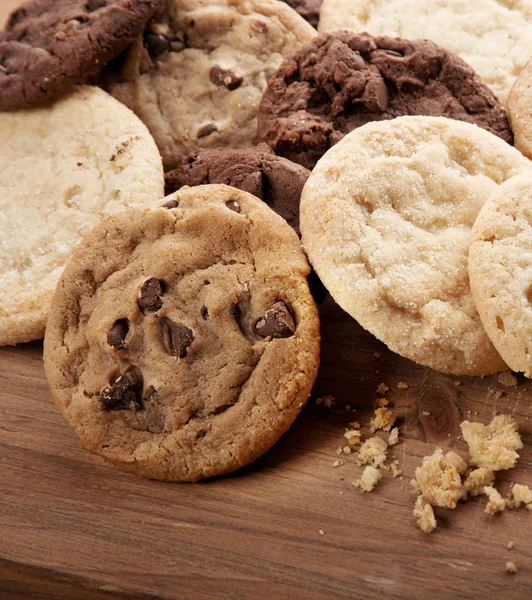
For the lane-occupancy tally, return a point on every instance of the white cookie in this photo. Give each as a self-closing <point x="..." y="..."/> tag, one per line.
<point x="197" y="77"/>
<point x="386" y="219"/>
<point x="520" y="110"/>
<point x="500" y="269"/>
<point x="62" y="168"/>
<point x="493" y="36"/>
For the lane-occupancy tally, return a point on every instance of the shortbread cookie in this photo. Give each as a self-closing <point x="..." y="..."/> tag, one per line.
<point x="520" y="110"/>
<point x="493" y="36"/>
<point x="341" y="81"/>
<point x="500" y="270"/>
<point x="273" y="179"/>
<point x="183" y="341"/>
<point x="50" y="45"/>
<point x="308" y="9"/>
<point x="386" y="219"/>
<point x="197" y="77"/>
<point x="62" y="168"/>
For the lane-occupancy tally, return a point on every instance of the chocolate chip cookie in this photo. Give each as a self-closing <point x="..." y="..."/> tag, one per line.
<point x="183" y="340"/>
<point x="197" y="76"/>
<point x="341" y="81"/>
<point x="48" y="46"/>
<point x="275" y="180"/>
<point x="308" y="9"/>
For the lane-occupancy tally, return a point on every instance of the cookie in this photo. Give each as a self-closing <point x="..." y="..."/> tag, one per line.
<point x="50" y="45"/>
<point x="520" y="110"/>
<point x="493" y="36"/>
<point x="197" y="76"/>
<point x="341" y="81"/>
<point x="500" y="271"/>
<point x="386" y="220"/>
<point x="275" y="180"/>
<point x="183" y="341"/>
<point x="308" y="9"/>
<point x="62" y="168"/>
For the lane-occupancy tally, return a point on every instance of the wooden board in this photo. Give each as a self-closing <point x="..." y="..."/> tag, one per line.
<point x="74" y="523"/>
<point x="72" y="526"/>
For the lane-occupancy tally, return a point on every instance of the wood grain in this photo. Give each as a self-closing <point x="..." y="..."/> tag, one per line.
<point x="74" y="527"/>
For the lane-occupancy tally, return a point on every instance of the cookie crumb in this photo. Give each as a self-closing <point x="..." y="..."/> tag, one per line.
<point x="346" y="450"/>
<point x="383" y="419"/>
<point x="493" y="446"/>
<point x="383" y="402"/>
<point x="507" y="378"/>
<point x="354" y="425"/>
<point x="457" y="382"/>
<point x="477" y="480"/>
<point x="368" y="480"/>
<point x="438" y="478"/>
<point x="424" y="515"/>
<point x="520" y="494"/>
<point x="393" y="438"/>
<point x="327" y="401"/>
<point x="495" y="503"/>
<point x="511" y="567"/>
<point x="353" y="436"/>
<point x="321" y="532"/>
<point x="402" y="385"/>
<point x="396" y="471"/>
<point x="372" y="452"/>
<point x="382" y="388"/>
<point x="377" y="355"/>
<point x="339" y="451"/>
<point x="426" y="413"/>
<point x="338" y="463"/>
<point x="510" y="545"/>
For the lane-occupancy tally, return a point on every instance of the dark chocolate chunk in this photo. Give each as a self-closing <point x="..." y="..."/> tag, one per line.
<point x="125" y="393"/>
<point x="277" y="322"/>
<point x="116" y="336"/>
<point x="170" y="204"/>
<point x="233" y="205"/>
<point x="204" y="312"/>
<point x="236" y="311"/>
<point x="156" y="44"/>
<point x="176" y="338"/>
<point x="150" y="299"/>
<point x="206" y="130"/>
<point x="225" y="78"/>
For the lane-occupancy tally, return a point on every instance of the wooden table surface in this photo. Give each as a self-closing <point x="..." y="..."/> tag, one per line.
<point x="289" y="526"/>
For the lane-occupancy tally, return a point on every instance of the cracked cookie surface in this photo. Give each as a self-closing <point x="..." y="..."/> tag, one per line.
<point x="48" y="46"/>
<point x="63" y="168"/>
<point x="183" y="341"/>
<point x="197" y="76"/>
<point x="340" y="81"/>
<point x="386" y="219"/>
<point x="493" y="36"/>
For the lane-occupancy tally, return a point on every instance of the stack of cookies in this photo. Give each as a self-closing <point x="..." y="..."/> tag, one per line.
<point x="169" y="165"/>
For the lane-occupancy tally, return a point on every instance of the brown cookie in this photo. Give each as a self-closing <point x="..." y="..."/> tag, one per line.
<point x="308" y="9"/>
<point x="183" y="341"/>
<point x="48" y="46"/>
<point x="341" y="81"/>
<point x="275" y="180"/>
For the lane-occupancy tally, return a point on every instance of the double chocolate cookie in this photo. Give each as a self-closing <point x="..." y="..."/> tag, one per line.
<point x="341" y="81"/>
<point x="308" y="9"/>
<point x="183" y="340"/>
<point x="275" y="180"/>
<point x="50" y="45"/>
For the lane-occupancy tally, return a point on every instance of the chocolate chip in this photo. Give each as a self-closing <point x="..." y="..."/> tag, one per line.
<point x="233" y="205"/>
<point x="204" y="312"/>
<point x="156" y="44"/>
<point x="225" y="78"/>
<point x="116" y="336"/>
<point x="150" y="299"/>
<point x="125" y="393"/>
<point x="176" y="338"/>
<point x="170" y="204"/>
<point x="206" y="130"/>
<point x="277" y="322"/>
<point x="376" y="95"/>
